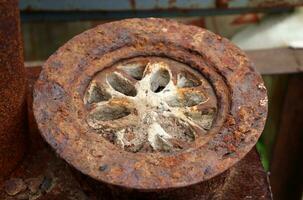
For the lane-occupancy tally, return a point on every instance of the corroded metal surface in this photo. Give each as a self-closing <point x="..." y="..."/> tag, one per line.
<point x="62" y="113"/>
<point x="151" y="104"/>
<point x="12" y="88"/>
<point x="43" y="175"/>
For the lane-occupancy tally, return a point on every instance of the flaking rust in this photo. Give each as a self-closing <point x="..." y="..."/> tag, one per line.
<point x="12" y="89"/>
<point x="151" y="105"/>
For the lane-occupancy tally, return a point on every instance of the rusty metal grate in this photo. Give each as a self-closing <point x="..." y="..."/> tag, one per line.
<point x="150" y="104"/>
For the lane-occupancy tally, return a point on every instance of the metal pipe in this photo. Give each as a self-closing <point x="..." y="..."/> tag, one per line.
<point x="12" y="88"/>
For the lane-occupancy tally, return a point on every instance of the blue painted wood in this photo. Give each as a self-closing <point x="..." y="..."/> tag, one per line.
<point x="114" y="5"/>
<point x="71" y="10"/>
<point x="122" y="5"/>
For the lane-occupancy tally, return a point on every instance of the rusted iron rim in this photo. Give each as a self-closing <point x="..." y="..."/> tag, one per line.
<point x="61" y="113"/>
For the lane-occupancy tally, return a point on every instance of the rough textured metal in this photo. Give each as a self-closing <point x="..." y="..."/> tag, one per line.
<point x="48" y="177"/>
<point x="62" y="113"/>
<point x="12" y="88"/>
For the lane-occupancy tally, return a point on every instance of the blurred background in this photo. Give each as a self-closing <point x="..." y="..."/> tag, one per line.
<point x="270" y="31"/>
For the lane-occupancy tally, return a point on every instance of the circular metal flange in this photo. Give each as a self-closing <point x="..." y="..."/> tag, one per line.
<point x="150" y="103"/>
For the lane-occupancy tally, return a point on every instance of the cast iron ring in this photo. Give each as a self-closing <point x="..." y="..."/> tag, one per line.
<point x="90" y="99"/>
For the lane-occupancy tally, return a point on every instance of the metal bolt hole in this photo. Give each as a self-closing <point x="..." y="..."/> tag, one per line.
<point x="135" y="70"/>
<point x="109" y="112"/>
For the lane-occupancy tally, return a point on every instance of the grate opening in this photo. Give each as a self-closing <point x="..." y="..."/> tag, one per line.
<point x="109" y="112"/>
<point x="121" y="84"/>
<point x="159" y="80"/>
<point x="134" y="69"/>
<point x="186" y="99"/>
<point x="96" y="94"/>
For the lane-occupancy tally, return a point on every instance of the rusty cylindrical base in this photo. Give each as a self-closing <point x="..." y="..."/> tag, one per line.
<point x="12" y="89"/>
<point x="210" y="189"/>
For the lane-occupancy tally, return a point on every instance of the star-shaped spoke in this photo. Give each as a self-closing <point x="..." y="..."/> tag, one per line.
<point x="150" y="105"/>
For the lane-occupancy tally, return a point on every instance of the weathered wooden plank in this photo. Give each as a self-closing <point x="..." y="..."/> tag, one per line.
<point x="267" y="62"/>
<point x="277" y="61"/>
<point x="276" y="89"/>
<point x="299" y="56"/>
<point x="44" y="38"/>
<point x="287" y="164"/>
